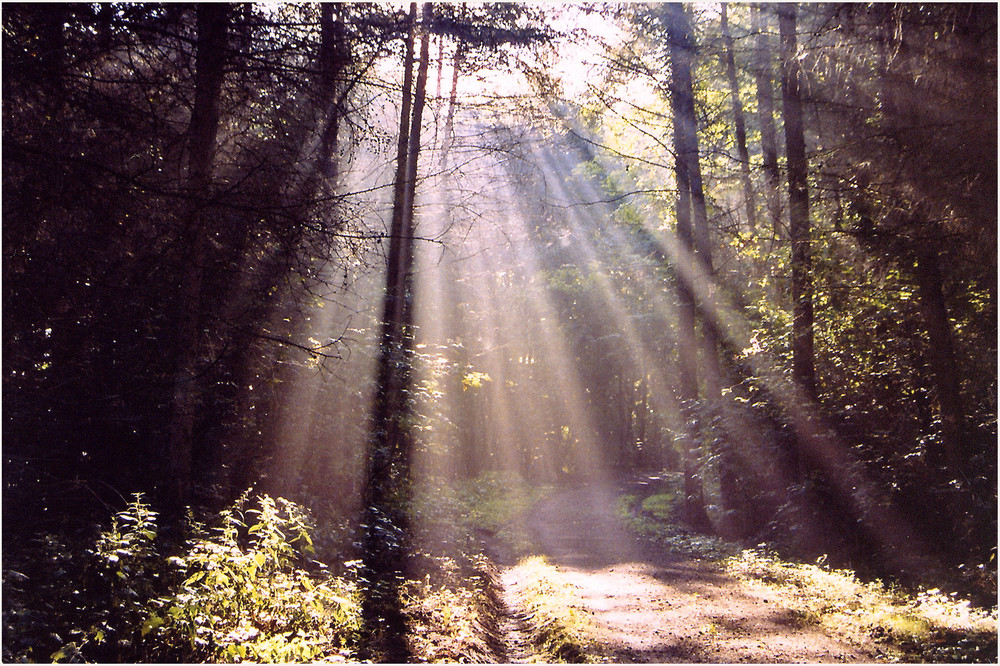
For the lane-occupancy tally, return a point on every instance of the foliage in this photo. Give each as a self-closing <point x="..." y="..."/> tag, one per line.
<point x="656" y="518"/>
<point x="452" y="519"/>
<point x="243" y="597"/>
<point x="236" y="592"/>
<point x="495" y="499"/>
<point x="451" y="615"/>
<point x="927" y="627"/>
<point x="450" y="603"/>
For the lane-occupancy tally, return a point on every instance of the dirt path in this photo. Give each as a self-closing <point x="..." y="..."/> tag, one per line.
<point x="654" y="607"/>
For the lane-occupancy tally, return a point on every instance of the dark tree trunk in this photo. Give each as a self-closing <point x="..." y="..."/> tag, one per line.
<point x="739" y="120"/>
<point x="765" y="115"/>
<point x="943" y="362"/>
<point x="682" y="106"/>
<point x="387" y="492"/>
<point x="803" y="367"/>
<point x="210" y="58"/>
<point x="334" y="56"/>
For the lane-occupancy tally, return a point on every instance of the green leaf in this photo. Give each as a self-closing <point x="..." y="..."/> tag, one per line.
<point x="194" y="578"/>
<point x="152" y="623"/>
<point x="260" y="559"/>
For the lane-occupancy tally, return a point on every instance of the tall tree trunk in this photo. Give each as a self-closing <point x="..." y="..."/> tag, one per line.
<point x="765" y="116"/>
<point x="213" y="25"/>
<point x="682" y="105"/>
<point x="449" y="124"/>
<point x="334" y="56"/>
<point x="943" y="362"/>
<point x="387" y="493"/>
<point x="709" y="340"/>
<point x="739" y="120"/>
<point x="803" y="367"/>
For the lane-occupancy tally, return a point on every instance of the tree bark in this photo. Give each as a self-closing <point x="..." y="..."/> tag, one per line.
<point x="213" y="25"/>
<point x="943" y="362"/>
<point x="739" y="120"/>
<point x="803" y="366"/>
<point x="765" y="116"/>
<point x="449" y="124"/>
<point x="334" y="55"/>
<point x="682" y="107"/>
<point x="387" y="493"/>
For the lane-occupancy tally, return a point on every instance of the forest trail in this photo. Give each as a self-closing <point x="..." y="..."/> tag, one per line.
<point x="649" y="606"/>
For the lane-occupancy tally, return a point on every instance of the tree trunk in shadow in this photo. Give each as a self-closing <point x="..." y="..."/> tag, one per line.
<point x="688" y="271"/>
<point x="943" y="363"/>
<point x="387" y="492"/>
<point x="803" y="368"/>
<point x="213" y="24"/>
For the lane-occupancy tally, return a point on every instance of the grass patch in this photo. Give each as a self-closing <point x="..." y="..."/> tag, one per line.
<point x="493" y="503"/>
<point x="929" y="627"/>
<point x="453" y="519"/>
<point x="560" y="627"/>
<point x="653" y="518"/>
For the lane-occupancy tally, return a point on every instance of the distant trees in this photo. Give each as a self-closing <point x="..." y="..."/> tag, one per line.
<point x="859" y="246"/>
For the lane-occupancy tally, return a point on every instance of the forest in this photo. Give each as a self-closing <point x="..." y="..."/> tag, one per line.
<point x="499" y="332"/>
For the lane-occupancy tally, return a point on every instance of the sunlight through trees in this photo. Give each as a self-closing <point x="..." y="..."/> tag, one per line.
<point x="411" y="268"/>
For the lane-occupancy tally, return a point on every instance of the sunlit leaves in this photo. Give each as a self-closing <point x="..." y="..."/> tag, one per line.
<point x="474" y="380"/>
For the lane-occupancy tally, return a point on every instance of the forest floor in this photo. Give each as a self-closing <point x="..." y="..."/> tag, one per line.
<point x="629" y="601"/>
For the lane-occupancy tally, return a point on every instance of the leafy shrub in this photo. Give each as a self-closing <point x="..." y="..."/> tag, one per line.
<point x="237" y="592"/>
<point x="250" y="601"/>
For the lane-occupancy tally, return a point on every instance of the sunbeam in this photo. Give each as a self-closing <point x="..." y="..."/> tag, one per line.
<point x="499" y="332"/>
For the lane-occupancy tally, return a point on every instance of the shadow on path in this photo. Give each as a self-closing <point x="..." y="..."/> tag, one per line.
<point x="648" y="605"/>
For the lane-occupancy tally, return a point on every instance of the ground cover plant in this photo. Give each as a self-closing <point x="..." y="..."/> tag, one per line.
<point x="928" y="626"/>
<point x="922" y="625"/>
<point x="558" y="626"/>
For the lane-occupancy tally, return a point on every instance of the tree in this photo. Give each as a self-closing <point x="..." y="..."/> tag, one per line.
<point x="390" y="450"/>
<point x="693" y="264"/>
<point x="210" y="64"/>
<point x="765" y="114"/>
<point x="739" y="120"/>
<point x="803" y="366"/>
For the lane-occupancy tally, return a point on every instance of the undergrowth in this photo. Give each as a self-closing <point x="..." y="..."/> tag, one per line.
<point x="560" y="627"/>
<point x="454" y="518"/>
<point x="245" y="585"/>
<point x="928" y="627"/>
<point x="243" y="589"/>
<point x="655" y="518"/>
<point x="452" y="615"/>
<point x="451" y="605"/>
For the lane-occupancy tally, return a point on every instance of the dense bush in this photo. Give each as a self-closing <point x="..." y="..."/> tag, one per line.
<point x="242" y="590"/>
